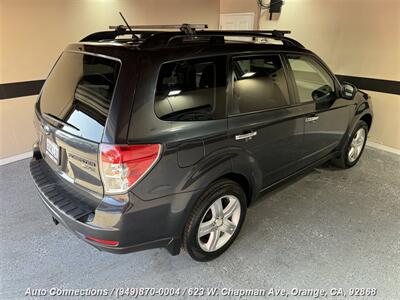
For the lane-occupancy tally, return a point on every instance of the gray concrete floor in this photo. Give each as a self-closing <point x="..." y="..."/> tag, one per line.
<point x="329" y="229"/>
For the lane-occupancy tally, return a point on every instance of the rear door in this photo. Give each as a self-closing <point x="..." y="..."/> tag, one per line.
<point x="72" y="113"/>
<point x="263" y="122"/>
<point x="326" y="114"/>
<point x="191" y="96"/>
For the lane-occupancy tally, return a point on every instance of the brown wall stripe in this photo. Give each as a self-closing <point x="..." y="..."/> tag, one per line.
<point x="29" y="88"/>
<point x="20" y="89"/>
<point x="372" y="84"/>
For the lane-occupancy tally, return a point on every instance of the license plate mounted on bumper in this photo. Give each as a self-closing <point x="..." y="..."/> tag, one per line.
<point x="53" y="151"/>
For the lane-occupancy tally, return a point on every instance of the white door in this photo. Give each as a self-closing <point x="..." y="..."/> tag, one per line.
<point x="237" y="21"/>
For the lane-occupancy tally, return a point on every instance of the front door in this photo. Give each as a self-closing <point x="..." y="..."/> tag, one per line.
<point x="326" y="114"/>
<point x="263" y="124"/>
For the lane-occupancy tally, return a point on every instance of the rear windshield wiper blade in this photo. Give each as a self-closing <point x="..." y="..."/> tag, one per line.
<point x="58" y="120"/>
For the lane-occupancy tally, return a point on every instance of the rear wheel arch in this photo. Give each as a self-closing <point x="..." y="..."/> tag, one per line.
<point x="243" y="182"/>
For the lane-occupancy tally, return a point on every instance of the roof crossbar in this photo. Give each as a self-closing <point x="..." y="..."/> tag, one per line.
<point x="181" y="27"/>
<point x="189" y="29"/>
<point x="157" y="36"/>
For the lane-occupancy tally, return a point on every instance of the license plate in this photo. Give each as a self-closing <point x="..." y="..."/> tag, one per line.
<point x="53" y="151"/>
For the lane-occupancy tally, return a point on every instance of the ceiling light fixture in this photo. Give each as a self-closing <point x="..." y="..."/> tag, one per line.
<point x="174" y="93"/>
<point x="248" y="74"/>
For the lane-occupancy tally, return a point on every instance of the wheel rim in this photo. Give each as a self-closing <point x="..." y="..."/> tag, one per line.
<point x="356" y="145"/>
<point x="219" y="223"/>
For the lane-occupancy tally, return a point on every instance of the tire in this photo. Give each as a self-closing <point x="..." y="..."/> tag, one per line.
<point x="220" y="212"/>
<point x="349" y="156"/>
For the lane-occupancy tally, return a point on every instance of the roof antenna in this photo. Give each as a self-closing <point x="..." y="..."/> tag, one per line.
<point x="129" y="27"/>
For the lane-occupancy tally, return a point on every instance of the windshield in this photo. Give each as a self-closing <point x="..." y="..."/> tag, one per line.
<point x="78" y="93"/>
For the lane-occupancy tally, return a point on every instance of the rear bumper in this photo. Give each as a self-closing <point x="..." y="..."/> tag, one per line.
<point x="82" y="230"/>
<point x="134" y="223"/>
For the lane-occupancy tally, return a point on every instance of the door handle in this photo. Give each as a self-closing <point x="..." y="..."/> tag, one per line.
<point x="312" y="119"/>
<point x="249" y="135"/>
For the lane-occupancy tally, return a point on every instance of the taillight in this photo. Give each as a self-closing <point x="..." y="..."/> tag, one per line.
<point x="122" y="166"/>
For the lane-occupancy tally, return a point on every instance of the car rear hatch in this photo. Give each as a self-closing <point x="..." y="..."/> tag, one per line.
<point x="72" y="114"/>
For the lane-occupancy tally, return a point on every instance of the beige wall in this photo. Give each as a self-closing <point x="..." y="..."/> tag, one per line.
<point x="34" y="32"/>
<point x="386" y="129"/>
<point x="354" y="37"/>
<point x="16" y="125"/>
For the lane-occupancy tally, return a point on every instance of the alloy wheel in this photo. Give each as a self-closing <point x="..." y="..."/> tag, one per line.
<point x="219" y="223"/>
<point x="356" y="145"/>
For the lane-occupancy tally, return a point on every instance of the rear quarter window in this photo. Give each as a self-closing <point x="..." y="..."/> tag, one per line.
<point x="191" y="90"/>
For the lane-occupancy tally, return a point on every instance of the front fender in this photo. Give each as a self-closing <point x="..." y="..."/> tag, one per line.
<point x="362" y="108"/>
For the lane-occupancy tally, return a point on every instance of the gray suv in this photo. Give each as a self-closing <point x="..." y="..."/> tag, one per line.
<point x="151" y="138"/>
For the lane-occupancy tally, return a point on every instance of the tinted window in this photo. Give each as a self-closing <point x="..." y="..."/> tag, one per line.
<point x="78" y="91"/>
<point x="312" y="81"/>
<point x="259" y="84"/>
<point x="191" y="90"/>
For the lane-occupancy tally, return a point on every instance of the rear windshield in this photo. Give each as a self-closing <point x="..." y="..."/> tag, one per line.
<point x="78" y="92"/>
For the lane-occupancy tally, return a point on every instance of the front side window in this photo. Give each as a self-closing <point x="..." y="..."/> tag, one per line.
<point x="312" y="81"/>
<point x="259" y="84"/>
<point x="191" y="90"/>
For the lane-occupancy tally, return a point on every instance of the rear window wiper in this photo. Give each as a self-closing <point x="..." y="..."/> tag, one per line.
<point x="58" y="120"/>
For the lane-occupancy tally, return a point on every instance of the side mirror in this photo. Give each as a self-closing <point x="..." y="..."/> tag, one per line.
<point x="348" y="91"/>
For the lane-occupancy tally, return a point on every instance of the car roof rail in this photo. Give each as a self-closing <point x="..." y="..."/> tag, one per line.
<point x="272" y="34"/>
<point x="158" y="36"/>
<point x="165" y="39"/>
